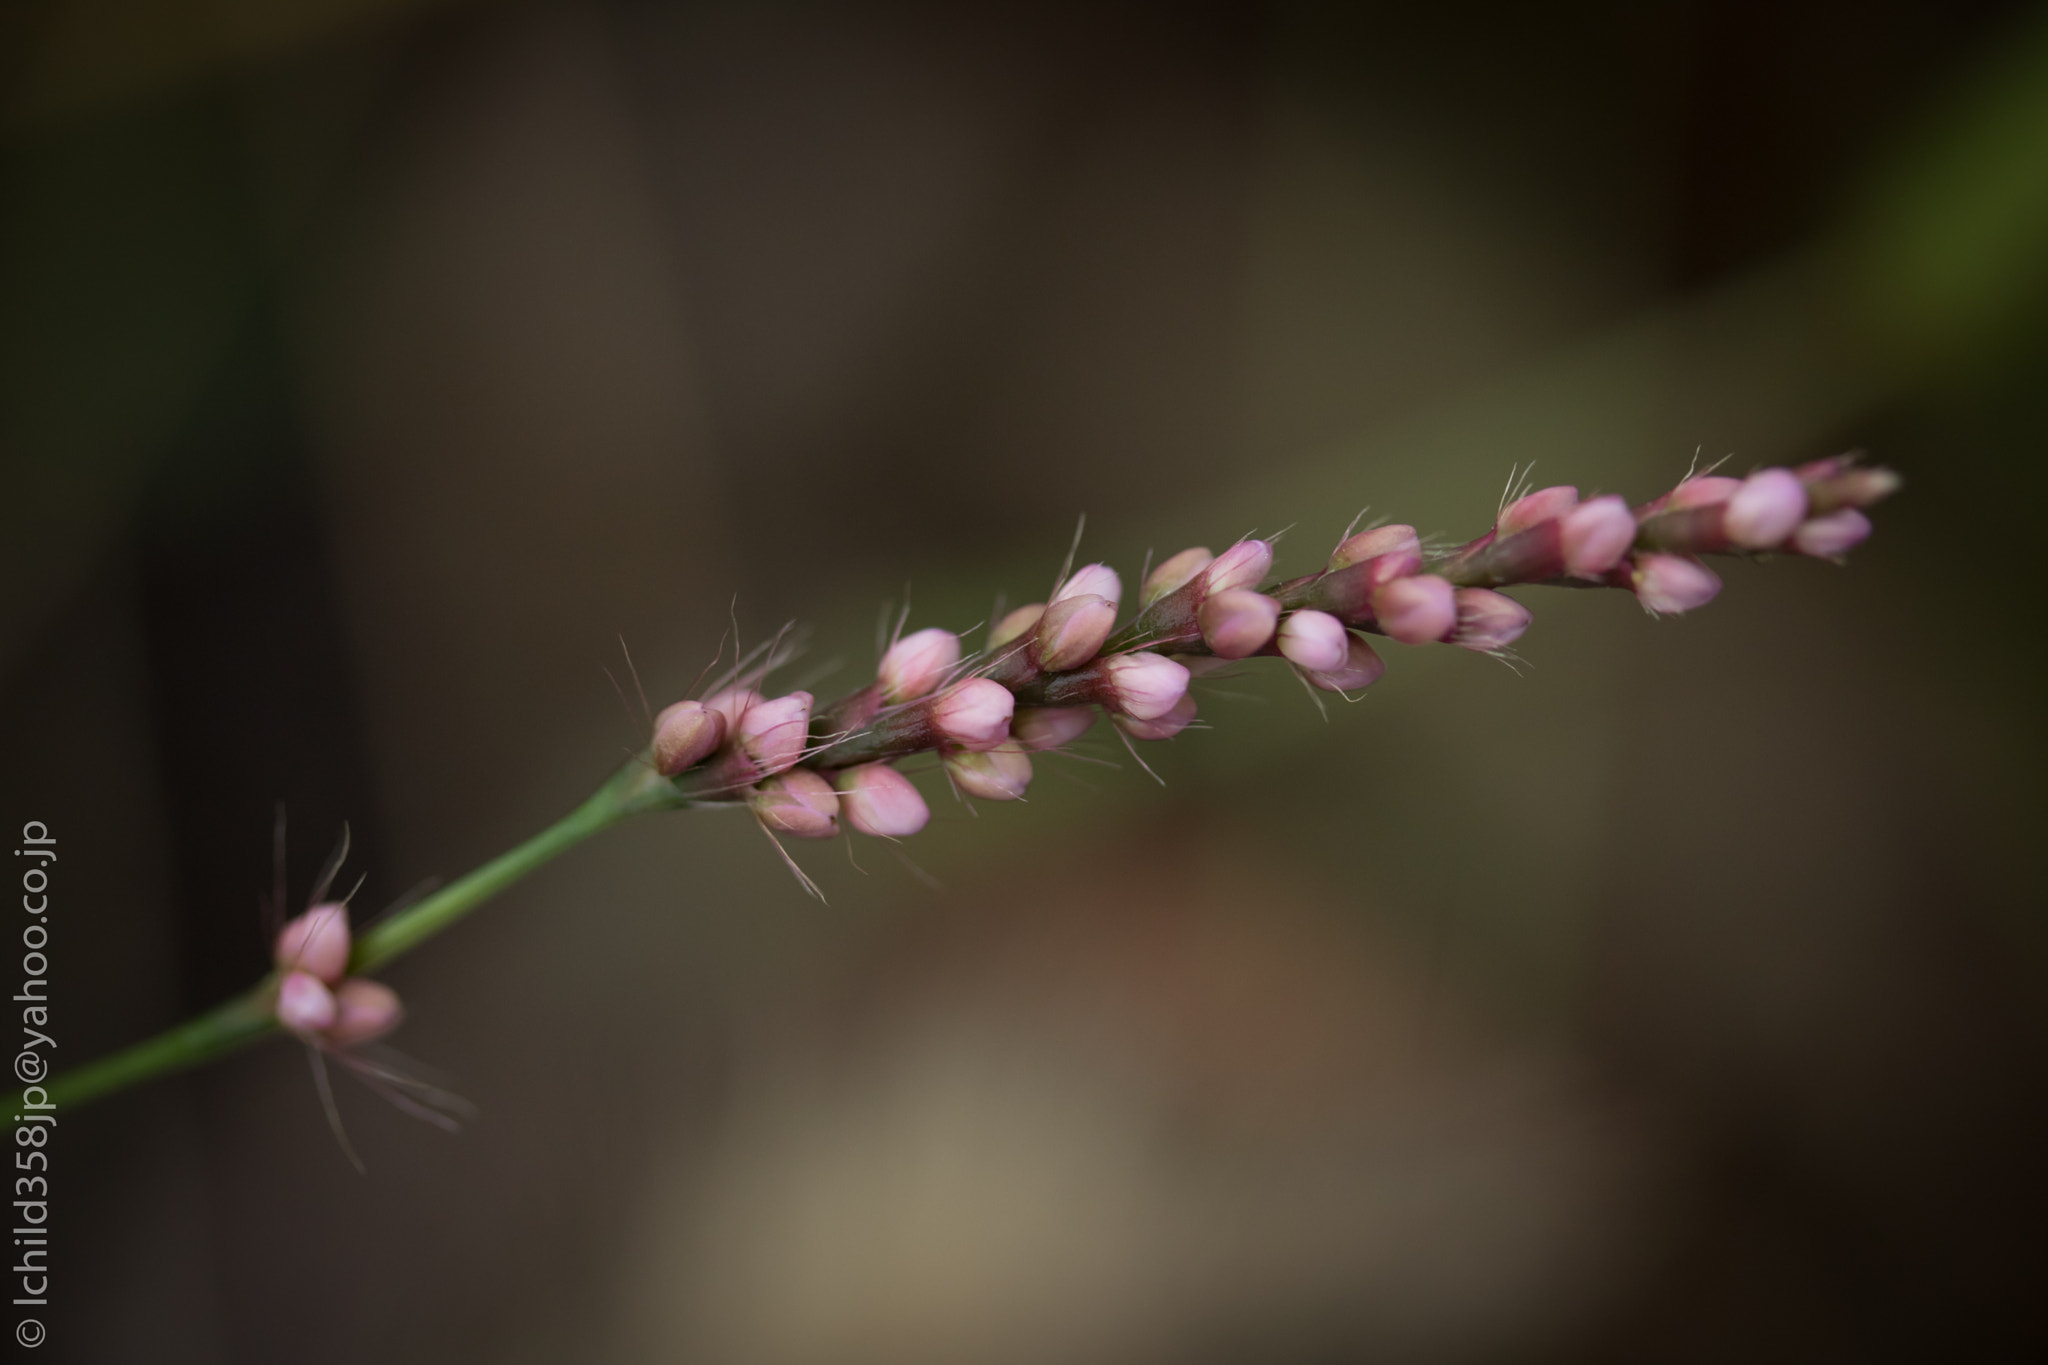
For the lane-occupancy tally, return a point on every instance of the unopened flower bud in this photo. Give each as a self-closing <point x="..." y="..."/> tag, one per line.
<point x="1767" y="508"/>
<point x="1161" y="727"/>
<point x="1542" y="505"/>
<point x="364" y="1011"/>
<point x="996" y="775"/>
<point x="1072" y="631"/>
<point x="1669" y="584"/>
<point x="1145" y="685"/>
<point x="1847" y="485"/>
<point x="1702" y="491"/>
<point x="1243" y="565"/>
<point x="1832" y="536"/>
<point x="1097" y="579"/>
<point x="315" y="943"/>
<point x="975" y="714"/>
<point x="916" y="664"/>
<point x="1381" y="540"/>
<point x="1488" y="621"/>
<point x="878" y="800"/>
<point x="798" y="803"/>
<point x="1417" y="610"/>
<point x="1037" y="728"/>
<point x="304" y="1004"/>
<point x="733" y="703"/>
<point x="1361" y="669"/>
<point x="1237" y="623"/>
<point x="1174" y="573"/>
<point x="773" y="733"/>
<point x="1016" y="625"/>
<point x="1596" y="534"/>
<point x="1314" y="640"/>
<point x="685" y="734"/>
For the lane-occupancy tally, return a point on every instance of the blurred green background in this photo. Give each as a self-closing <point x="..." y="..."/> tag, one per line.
<point x="368" y="369"/>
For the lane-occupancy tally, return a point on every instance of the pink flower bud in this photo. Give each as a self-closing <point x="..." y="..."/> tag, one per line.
<point x="1832" y="536"/>
<point x="1668" y="584"/>
<point x="1314" y="640"/>
<point x="1704" y="491"/>
<point x="1097" y="579"/>
<point x="685" y="734"/>
<point x="878" y="800"/>
<point x="315" y="943"/>
<point x="1050" y="727"/>
<point x="1016" y="625"/>
<point x="1767" y="508"/>
<point x="975" y="714"/>
<point x="1595" y="535"/>
<point x="773" y="733"/>
<point x="304" y="1004"/>
<point x="1163" y="727"/>
<point x="1362" y="668"/>
<point x="1174" y="573"/>
<point x="1243" y="565"/>
<point x="733" y="703"/>
<point x="364" y="1011"/>
<point x="916" y="664"/>
<point x="997" y="775"/>
<point x="798" y="803"/>
<point x="1418" y="610"/>
<point x="1487" y="621"/>
<point x="1237" y="623"/>
<point x="1542" y="505"/>
<point x="1072" y="631"/>
<point x="1381" y="540"/>
<point x="1145" y="685"/>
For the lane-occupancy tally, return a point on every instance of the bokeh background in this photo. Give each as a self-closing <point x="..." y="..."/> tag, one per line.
<point x="370" y="368"/>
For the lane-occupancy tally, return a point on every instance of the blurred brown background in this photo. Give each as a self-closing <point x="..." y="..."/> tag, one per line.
<point x="368" y="368"/>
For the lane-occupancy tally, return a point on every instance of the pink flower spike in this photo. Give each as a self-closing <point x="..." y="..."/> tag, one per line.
<point x="1072" y="631"/>
<point x="1488" y="621"/>
<point x="773" y="733"/>
<point x="1381" y="540"/>
<point x="685" y="734"/>
<point x="1146" y="685"/>
<point x="916" y="664"/>
<point x="1669" y="584"/>
<point x="1703" y="491"/>
<point x="1314" y="640"/>
<point x="1419" y="610"/>
<point x="316" y="943"/>
<point x="1016" y="625"/>
<point x="733" y="703"/>
<point x="1362" y="668"/>
<point x="1098" y="579"/>
<point x="976" y="714"/>
<point x="1243" y="565"/>
<point x="364" y="1011"/>
<point x="304" y="1004"/>
<point x="1174" y="573"/>
<point x="997" y="775"/>
<point x="799" y="803"/>
<point x="1832" y="536"/>
<point x="1596" y="534"/>
<point x="1237" y="623"/>
<point x="1038" y="728"/>
<point x="1163" y="727"/>
<point x="878" y="800"/>
<point x="1767" y="508"/>
<point x="1542" y="505"/>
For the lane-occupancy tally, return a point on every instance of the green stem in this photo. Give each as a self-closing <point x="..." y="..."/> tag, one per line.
<point x="245" y="1018"/>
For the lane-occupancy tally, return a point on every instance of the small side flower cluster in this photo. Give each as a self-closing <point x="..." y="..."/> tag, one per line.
<point x="1050" y="668"/>
<point x="316" y="998"/>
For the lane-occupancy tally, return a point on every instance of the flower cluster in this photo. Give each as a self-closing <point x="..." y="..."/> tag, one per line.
<point x="316" y="998"/>
<point x="1051" y="667"/>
